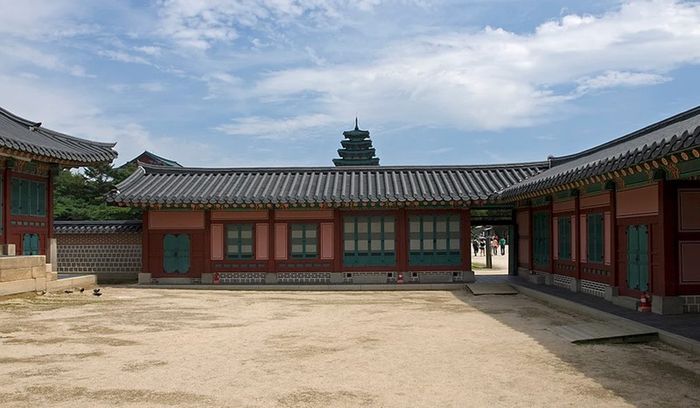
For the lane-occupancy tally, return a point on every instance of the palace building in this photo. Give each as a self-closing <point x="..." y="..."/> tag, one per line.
<point x="30" y="157"/>
<point x="615" y="221"/>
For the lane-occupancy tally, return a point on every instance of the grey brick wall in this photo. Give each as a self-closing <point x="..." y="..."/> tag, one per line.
<point x="112" y="257"/>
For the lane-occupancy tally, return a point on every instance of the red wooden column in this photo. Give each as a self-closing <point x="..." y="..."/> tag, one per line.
<point x="145" y="244"/>
<point x="271" y="265"/>
<point x="466" y="244"/>
<point x="530" y="243"/>
<point x="402" y="241"/>
<point x="338" y="241"/>
<point x="6" y="204"/>
<point x="615" y="281"/>
<point x="207" y="242"/>
<point x="579" y="226"/>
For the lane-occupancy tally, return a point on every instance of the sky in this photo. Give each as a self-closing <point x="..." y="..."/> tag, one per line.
<point x="239" y="83"/>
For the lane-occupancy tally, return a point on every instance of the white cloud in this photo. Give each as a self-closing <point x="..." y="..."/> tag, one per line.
<point x="285" y="128"/>
<point x="496" y="79"/>
<point x="122" y="56"/>
<point x="611" y="79"/>
<point x="15" y="54"/>
<point x="149" y="50"/>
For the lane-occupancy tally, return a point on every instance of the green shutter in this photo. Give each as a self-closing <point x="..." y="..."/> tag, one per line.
<point x="638" y="257"/>
<point x="15" y="196"/>
<point x="564" y="238"/>
<point x="41" y="203"/>
<point x="170" y="260"/>
<point x="596" y="240"/>
<point x="30" y="244"/>
<point x="183" y="253"/>
<point x="541" y="238"/>
<point x="369" y="241"/>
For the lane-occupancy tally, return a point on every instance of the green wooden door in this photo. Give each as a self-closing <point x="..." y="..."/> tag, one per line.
<point x="30" y="244"/>
<point x="638" y="257"/>
<point x="176" y="253"/>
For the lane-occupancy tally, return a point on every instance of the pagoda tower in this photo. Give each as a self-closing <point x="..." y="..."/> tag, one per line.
<point x="357" y="149"/>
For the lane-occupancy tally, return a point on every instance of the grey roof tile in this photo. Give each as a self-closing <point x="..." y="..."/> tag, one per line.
<point x="672" y="135"/>
<point x="161" y="185"/>
<point x="20" y="134"/>
<point x="97" y="227"/>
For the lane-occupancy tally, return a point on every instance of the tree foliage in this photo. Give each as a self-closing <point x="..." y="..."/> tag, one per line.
<point x="81" y="195"/>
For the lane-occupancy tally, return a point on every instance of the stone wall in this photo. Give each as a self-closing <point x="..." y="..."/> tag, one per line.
<point x="114" y="256"/>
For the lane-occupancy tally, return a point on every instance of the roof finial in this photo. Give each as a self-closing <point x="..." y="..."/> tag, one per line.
<point x="356" y="127"/>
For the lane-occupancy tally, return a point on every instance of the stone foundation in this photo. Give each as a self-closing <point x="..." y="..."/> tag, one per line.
<point x="21" y="274"/>
<point x="691" y="304"/>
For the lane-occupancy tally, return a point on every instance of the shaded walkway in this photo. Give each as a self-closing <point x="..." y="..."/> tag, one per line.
<point x="687" y="325"/>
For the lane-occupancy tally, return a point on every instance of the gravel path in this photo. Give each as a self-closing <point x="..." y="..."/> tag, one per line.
<point x="152" y="347"/>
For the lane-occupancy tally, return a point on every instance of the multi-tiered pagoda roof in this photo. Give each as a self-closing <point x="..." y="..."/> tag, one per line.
<point x="357" y="149"/>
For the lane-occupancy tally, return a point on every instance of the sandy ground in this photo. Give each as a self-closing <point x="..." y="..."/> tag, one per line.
<point x="146" y="347"/>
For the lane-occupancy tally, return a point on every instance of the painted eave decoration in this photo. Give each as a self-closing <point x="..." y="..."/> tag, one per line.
<point x="20" y="137"/>
<point x="337" y="187"/>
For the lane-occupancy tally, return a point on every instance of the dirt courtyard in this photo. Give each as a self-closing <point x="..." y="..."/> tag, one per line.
<point x="153" y="347"/>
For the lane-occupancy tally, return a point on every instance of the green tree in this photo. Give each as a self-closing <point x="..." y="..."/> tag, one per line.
<point x="81" y="195"/>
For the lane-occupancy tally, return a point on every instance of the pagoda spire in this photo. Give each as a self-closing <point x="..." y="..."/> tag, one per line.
<point x="357" y="149"/>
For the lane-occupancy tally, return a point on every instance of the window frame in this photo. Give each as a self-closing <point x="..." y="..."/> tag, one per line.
<point x="36" y="205"/>
<point x="381" y="257"/>
<point x="239" y="256"/>
<point x="315" y="226"/>
<point x="434" y="256"/>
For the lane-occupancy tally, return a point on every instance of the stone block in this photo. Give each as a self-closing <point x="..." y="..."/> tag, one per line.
<point x="8" y="250"/>
<point x="207" y="278"/>
<point x="12" y="262"/>
<point x="469" y="276"/>
<point x="548" y="279"/>
<point x="667" y="305"/>
<point x="51" y="276"/>
<point x="39" y="271"/>
<point x="575" y="285"/>
<point x="15" y="274"/>
<point x="271" y="278"/>
<point x="369" y="277"/>
<point x="537" y="279"/>
<point x="337" y="278"/>
<point x="611" y="292"/>
<point x="174" y="281"/>
<point x="18" y="286"/>
<point x="39" y="284"/>
<point x="626" y="301"/>
<point x="68" y="283"/>
<point x="144" y="278"/>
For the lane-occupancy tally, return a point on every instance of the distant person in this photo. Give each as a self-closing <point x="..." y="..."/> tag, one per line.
<point x="494" y="245"/>
<point x="475" y="245"/>
<point x="503" y="246"/>
<point x="482" y="246"/>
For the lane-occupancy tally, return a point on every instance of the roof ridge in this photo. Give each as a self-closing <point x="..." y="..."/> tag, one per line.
<point x="627" y="137"/>
<point x="158" y="169"/>
<point x="38" y="125"/>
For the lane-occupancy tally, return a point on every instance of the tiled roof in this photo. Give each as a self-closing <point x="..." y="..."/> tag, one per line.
<point x="159" y="185"/>
<point x="672" y="135"/>
<point x="96" y="227"/>
<point x="152" y="158"/>
<point x="23" y="136"/>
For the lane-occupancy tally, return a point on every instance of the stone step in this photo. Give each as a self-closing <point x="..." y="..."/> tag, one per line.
<point x="626" y="301"/>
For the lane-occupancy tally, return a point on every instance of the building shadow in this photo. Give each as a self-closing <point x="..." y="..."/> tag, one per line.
<point x="645" y="375"/>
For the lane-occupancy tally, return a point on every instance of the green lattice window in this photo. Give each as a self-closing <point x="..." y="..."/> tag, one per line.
<point x="304" y="241"/>
<point x="596" y="233"/>
<point x="369" y="241"/>
<point x="541" y="237"/>
<point x="434" y="240"/>
<point x="564" y="227"/>
<point x="28" y="197"/>
<point x="239" y="241"/>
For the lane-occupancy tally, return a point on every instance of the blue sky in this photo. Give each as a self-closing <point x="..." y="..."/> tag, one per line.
<point x="275" y="82"/>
